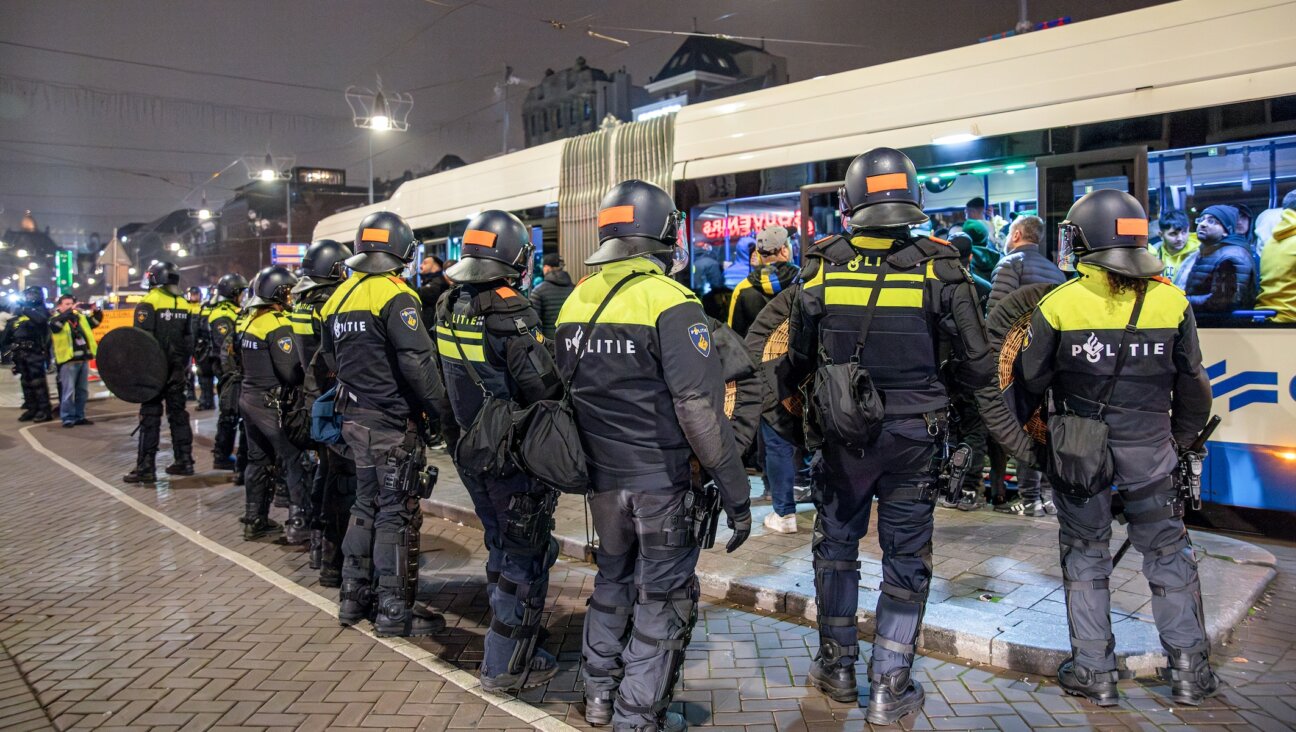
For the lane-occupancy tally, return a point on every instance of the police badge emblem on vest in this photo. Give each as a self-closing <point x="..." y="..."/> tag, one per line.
<point x="410" y="318"/>
<point x="285" y="344"/>
<point x="701" y="338"/>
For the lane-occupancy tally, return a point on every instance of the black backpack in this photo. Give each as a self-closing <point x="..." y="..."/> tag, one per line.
<point x="483" y="448"/>
<point x="547" y="442"/>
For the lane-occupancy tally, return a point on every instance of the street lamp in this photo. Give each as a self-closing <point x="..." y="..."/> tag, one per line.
<point x="22" y="253"/>
<point x="379" y="111"/>
<point x="174" y="246"/>
<point x="269" y="169"/>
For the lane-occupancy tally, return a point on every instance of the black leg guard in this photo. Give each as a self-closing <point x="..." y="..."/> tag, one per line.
<point x="681" y="610"/>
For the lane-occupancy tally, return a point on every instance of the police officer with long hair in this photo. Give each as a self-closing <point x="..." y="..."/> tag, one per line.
<point x="387" y="382"/>
<point x="881" y="300"/>
<point x="333" y="485"/>
<point x="489" y="341"/>
<point x="647" y="388"/>
<point x="1119" y="345"/>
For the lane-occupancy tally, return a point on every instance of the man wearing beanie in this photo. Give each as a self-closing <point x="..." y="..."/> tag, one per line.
<point x="984" y="256"/>
<point x="1223" y="278"/>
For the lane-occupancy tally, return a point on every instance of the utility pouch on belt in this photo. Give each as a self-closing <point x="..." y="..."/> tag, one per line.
<point x="295" y="418"/>
<point x="547" y="442"/>
<point x="842" y="405"/>
<point x="1080" y="459"/>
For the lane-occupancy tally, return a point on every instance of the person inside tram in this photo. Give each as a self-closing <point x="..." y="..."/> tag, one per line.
<point x="975" y="210"/>
<point x="1223" y="277"/>
<point x="984" y="253"/>
<point x="1177" y="249"/>
<point x="1278" y="266"/>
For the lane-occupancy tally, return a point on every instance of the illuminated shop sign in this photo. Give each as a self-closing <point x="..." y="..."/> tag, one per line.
<point x="751" y="224"/>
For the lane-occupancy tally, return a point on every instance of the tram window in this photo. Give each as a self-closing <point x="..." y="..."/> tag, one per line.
<point x="724" y="234"/>
<point x="1233" y="197"/>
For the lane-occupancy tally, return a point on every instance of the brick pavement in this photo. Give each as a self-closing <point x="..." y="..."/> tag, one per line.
<point x="116" y="621"/>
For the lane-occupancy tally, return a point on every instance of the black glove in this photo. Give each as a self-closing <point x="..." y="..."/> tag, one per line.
<point x="740" y="522"/>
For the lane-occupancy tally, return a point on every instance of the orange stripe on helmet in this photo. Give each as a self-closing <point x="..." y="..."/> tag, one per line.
<point x="1131" y="227"/>
<point x="616" y="215"/>
<point x="886" y="182"/>
<point x="479" y="238"/>
<point x="380" y="236"/>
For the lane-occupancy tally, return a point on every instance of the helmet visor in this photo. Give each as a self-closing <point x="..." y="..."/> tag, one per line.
<point x="1071" y="244"/>
<point x="679" y="258"/>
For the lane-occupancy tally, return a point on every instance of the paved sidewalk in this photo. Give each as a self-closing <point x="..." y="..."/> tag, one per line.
<point x="115" y="620"/>
<point x="996" y="596"/>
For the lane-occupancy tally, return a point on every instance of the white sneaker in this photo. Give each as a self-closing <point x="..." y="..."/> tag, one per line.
<point x="781" y="524"/>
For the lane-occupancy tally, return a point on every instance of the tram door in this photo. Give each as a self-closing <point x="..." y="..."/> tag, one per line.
<point x="1065" y="178"/>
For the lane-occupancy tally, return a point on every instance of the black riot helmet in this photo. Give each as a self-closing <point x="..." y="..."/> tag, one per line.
<point x="324" y="264"/>
<point x="194" y="294"/>
<point x="230" y="287"/>
<point x="882" y="191"/>
<point x="637" y="218"/>
<point x="270" y="286"/>
<point x="1109" y="229"/>
<point x="384" y="243"/>
<point x="162" y="273"/>
<point x="34" y="295"/>
<point x="496" y="245"/>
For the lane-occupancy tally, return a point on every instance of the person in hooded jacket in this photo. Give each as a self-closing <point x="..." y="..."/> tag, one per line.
<point x="1278" y="266"/>
<point x="548" y="296"/>
<point x="984" y="254"/>
<point x="774" y="274"/>
<point x="1223" y="277"/>
<point x="489" y="341"/>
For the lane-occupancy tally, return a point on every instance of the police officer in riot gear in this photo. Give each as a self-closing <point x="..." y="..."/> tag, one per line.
<point x="377" y="345"/>
<point x="891" y="303"/>
<point x="647" y="391"/>
<point x="221" y="324"/>
<point x="269" y="365"/>
<point x="333" y="487"/>
<point x="1157" y="402"/>
<point x="203" y="361"/>
<point x="165" y="314"/>
<point x="489" y="341"/>
<point x="27" y="338"/>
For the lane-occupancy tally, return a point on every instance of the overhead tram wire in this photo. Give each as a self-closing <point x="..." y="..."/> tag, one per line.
<point x="728" y="37"/>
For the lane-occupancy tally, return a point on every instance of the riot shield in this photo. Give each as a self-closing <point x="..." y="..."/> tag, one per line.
<point x="132" y="365"/>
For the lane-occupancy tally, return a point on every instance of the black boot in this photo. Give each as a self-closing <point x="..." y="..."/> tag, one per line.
<point x="893" y="696"/>
<point x="316" y="549"/>
<point x="223" y="463"/>
<point x="330" y="563"/>
<point x="144" y="471"/>
<point x="281" y="499"/>
<point x="536" y="672"/>
<point x="1190" y="677"/>
<point x="834" y="676"/>
<point x="255" y="522"/>
<point x="355" y="601"/>
<point x="27" y="415"/>
<point x="598" y="708"/>
<point x="395" y="618"/>
<point x="1098" y="687"/>
<point x="295" y="531"/>
<point x="181" y="467"/>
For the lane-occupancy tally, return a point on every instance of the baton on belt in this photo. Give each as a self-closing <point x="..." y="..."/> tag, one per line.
<point x="1188" y="472"/>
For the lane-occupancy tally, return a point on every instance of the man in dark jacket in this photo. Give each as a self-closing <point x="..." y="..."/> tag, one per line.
<point x="774" y="274"/>
<point x="1223" y="278"/>
<point x="549" y="296"/>
<point x="431" y="283"/>
<point x="1025" y="265"/>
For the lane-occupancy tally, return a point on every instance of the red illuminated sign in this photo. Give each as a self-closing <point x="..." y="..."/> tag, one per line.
<point x="751" y="224"/>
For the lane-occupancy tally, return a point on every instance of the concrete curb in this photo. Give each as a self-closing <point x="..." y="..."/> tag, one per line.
<point x="962" y="628"/>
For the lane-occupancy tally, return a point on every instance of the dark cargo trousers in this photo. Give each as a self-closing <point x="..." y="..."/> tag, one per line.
<point x="517" y="570"/>
<point x="644" y="604"/>
<point x="31" y="376"/>
<point x="1168" y="564"/>
<point x="268" y="446"/>
<point x="897" y="471"/>
<point x="385" y="520"/>
<point x="227" y="419"/>
<point x="332" y="493"/>
<point x="150" y="421"/>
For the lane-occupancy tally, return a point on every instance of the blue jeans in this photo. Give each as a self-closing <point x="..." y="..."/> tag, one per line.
<point x="72" y="377"/>
<point x="780" y="469"/>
